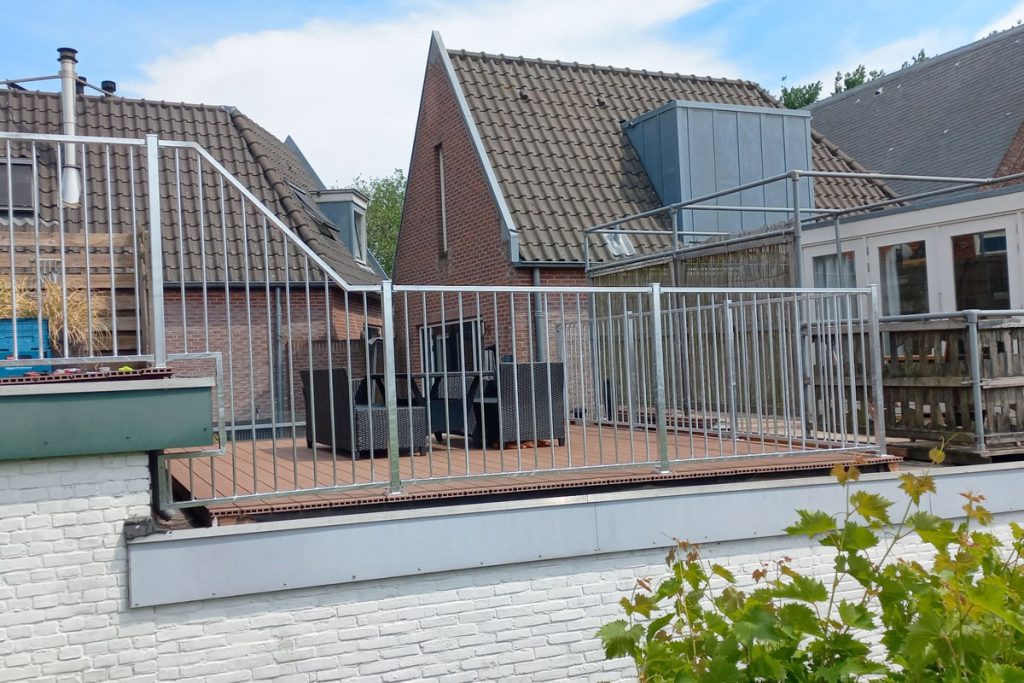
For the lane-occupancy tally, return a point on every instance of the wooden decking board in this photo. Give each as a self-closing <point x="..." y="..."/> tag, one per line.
<point x="255" y="466"/>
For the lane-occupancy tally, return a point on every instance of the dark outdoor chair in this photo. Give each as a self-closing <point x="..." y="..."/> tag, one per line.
<point x="360" y="424"/>
<point x="526" y="402"/>
<point x="451" y="407"/>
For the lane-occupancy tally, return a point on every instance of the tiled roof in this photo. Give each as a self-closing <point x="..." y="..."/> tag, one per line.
<point x="954" y="114"/>
<point x="553" y="134"/>
<point x="263" y="164"/>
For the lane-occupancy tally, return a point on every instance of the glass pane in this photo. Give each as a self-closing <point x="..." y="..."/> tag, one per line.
<point x="21" y="185"/>
<point x="904" y="278"/>
<point x="980" y="271"/>
<point x="826" y="274"/>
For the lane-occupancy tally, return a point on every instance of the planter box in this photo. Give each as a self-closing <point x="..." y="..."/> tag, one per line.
<point x="53" y="420"/>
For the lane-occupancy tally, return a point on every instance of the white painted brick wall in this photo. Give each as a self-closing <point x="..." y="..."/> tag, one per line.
<point x="64" y="614"/>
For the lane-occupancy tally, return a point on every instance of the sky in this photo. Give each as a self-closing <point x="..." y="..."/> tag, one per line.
<point x="343" y="78"/>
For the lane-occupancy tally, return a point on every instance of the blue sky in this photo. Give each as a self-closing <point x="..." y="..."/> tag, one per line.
<point x="344" y="77"/>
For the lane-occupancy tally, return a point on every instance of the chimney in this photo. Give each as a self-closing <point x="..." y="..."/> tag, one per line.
<point x="71" y="190"/>
<point x="109" y="87"/>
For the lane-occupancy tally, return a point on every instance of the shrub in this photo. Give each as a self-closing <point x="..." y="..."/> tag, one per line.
<point x="960" y="618"/>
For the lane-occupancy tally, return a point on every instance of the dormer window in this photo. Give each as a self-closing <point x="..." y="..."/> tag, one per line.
<point x="359" y="236"/>
<point x="20" y="186"/>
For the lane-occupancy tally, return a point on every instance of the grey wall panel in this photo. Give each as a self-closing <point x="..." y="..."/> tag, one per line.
<point x="701" y="136"/>
<point x="773" y="156"/>
<point x="726" y="165"/>
<point x="198" y="564"/>
<point x="751" y="165"/>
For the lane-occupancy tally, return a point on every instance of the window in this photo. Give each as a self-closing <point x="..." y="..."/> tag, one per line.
<point x="827" y="275"/>
<point x="904" y="278"/>
<point x="359" y="236"/>
<point x="980" y="271"/>
<point x="442" y="201"/>
<point x="449" y="348"/>
<point x="619" y="244"/>
<point x="21" y="185"/>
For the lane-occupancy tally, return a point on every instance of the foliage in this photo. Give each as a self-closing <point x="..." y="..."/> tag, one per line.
<point x="915" y="59"/>
<point x="799" y="96"/>
<point x="851" y="79"/>
<point x="383" y="214"/>
<point x="960" y="619"/>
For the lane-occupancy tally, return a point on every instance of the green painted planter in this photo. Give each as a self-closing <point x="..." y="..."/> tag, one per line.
<point x="54" y="420"/>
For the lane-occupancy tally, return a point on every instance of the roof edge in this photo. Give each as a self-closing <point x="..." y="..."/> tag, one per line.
<point x="438" y="51"/>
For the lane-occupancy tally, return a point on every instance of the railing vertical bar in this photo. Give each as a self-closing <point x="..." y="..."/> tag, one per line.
<point x="181" y="247"/>
<point x="202" y="254"/>
<point x="156" y="254"/>
<point x="497" y="385"/>
<point x="110" y="242"/>
<point x="427" y="362"/>
<point x="546" y="359"/>
<point x="35" y="231"/>
<point x="443" y="320"/>
<point x="479" y="341"/>
<point x="685" y="356"/>
<point x="583" y="380"/>
<point x="851" y="363"/>
<point x="328" y="335"/>
<point x="369" y="381"/>
<point x="704" y="385"/>
<point x="515" y="384"/>
<point x="410" y="381"/>
<point x="291" y="365"/>
<point x="311" y="436"/>
<point x="390" y="386"/>
<point x="270" y="349"/>
<point x="137" y="257"/>
<point x="230" y="335"/>
<point x="531" y="336"/>
<point x="61" y="208"/>
<point x="659" y="377"/>
<point x="353" y="453"/>
<point x="247" y="277"/>
<point x="563" y="356"/>
<point x="86" y="228"/>
<point x="757" y="346"/>
<point x="461" y="340"/>
<point x="10" y="229"/>
<point x="876" y="371"/>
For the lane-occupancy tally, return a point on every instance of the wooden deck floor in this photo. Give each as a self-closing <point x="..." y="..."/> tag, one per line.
<point x="261" y="467"/>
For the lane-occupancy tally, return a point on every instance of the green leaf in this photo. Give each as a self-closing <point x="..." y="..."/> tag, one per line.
<point x="855" y="616"/>
<point x="916" y="486"/>
<point x="798" y="619"/>
<point x="802" y="588"/>
<point x="719" y="570"/>
<point x="932" y="529"/>
<point x="871" y="506"/>
<point x="812" y="523"/>
<point x="851" y="537"/>
<point x="1001" y="673"/>
<point x="658" y="624"/>
<point x="620" y="639"/>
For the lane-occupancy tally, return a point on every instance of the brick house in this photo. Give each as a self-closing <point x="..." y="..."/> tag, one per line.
<point x="212" y="293"/>
<point x="513" y="158"/>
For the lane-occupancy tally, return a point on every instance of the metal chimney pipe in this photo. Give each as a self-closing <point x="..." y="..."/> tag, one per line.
<point x="71" y="191"/>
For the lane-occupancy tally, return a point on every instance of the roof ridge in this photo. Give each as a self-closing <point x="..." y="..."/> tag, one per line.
<point x="28" y="92"/>
<point x="597" y="67"/>
<point x="929" y="62"/>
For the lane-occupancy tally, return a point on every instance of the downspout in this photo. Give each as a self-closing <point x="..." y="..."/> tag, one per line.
<point x="539" y="323"/>
<point x="71" y="189"/>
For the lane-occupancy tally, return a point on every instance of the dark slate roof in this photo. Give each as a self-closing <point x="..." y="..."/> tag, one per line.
<point x="953" y="115"/>
<point x="553" y="134"/>
<point x="263" y="164"/>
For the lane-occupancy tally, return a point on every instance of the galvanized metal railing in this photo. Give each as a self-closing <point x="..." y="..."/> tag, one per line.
<point x="325" y="388"/>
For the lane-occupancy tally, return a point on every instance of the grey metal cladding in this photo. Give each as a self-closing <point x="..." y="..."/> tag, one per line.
<point x="954" y="114"/>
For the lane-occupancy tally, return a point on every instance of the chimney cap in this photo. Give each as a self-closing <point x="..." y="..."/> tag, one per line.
<point x="67" y="53"/>
<point x="109" y="87"/>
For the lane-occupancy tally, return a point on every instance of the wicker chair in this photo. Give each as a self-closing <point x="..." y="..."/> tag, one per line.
<point x="359" y="424"/>
<point x="530" y="405"/>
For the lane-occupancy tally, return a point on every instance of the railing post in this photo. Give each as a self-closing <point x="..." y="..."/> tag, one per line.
<point x="660" y="408"/>
<point x="387" y="313"/>
<point x="876" y="371"/>
<point x="974" y="351"/>
<point x="156" y="253"/>
<point x="730" y="369"/>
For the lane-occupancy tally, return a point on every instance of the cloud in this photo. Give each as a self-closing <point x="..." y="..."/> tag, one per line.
<point x="889" y="57"/>
<point x="348" y="92"/>
<point x="1008" y="20"/>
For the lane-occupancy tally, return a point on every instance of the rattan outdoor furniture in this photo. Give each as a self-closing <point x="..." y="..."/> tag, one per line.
<point x="523" y="402"/>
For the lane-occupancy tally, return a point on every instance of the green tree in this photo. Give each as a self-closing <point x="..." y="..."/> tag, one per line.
<point x="915" y="59"/>
<point x="383" y="214"/>
<point x="851" y="79"/>
<point x="799" y="96"/>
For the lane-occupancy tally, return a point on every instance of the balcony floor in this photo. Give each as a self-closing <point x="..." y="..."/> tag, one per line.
<point x="285" y="464"/>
